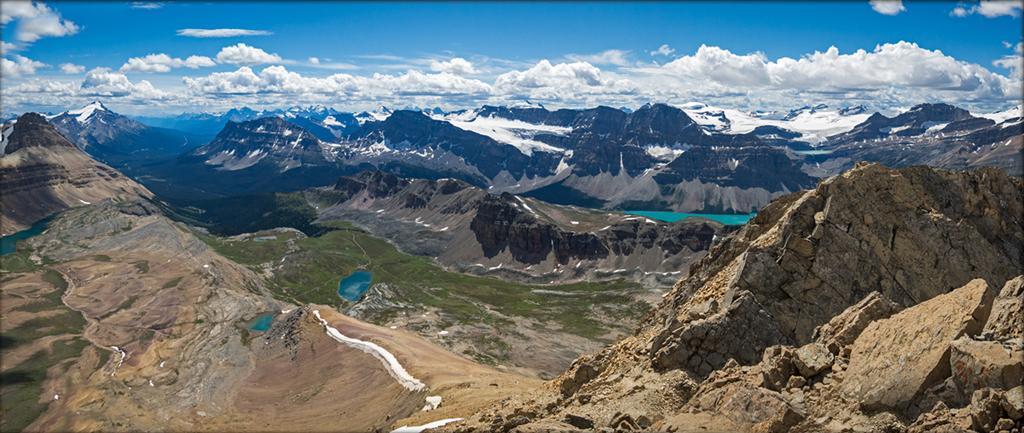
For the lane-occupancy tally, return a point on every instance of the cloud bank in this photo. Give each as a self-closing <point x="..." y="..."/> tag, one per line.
<point x="888" y="76"/>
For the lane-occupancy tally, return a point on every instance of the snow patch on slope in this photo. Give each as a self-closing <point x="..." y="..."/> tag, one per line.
<point x="390" y="362"/>
<point x="85" y="113"/>
<point x="508" y="131"/>
<point x="1002" y="116"/>
<point x="4" y="138"/>
<point x="429" y="425"/>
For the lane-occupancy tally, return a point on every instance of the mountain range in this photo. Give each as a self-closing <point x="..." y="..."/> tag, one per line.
<point x="694" y="158"/>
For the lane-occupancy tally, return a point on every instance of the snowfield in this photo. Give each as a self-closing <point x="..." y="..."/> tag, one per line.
<point x="1002" y="116"/>
<point x="814" y="125"/>
<point x="508" y="131"/>
<point x="429" y="425"/>
<point x="390" y="362"/>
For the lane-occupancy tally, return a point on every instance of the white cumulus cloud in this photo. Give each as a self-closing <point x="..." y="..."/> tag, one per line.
<point x="888" y="7"/>
<point x="20" y="66"/>
<point x="6" y="47"/>
<point x="999" y="8"/>
<point x="35" y="20"/>
<point x="221" y="33"/>
<point x="102" y="82"/>
<point x="1013" y="62"/>
<point x="562" y="81"/>
<point x="990" y="9"/>
<point x="901" y="68"/>
<point x="242" y="54"/>
<point x="71" y="68"/>
<point x="456" y="65"/>
<point x="279" y="80"/>
<point x="663" y="50"/>
<point x="164" y="63"/>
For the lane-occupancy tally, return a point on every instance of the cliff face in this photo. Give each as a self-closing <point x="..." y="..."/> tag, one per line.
<point x="468" y="228"/>
<point x="500" y="224"/>
<point x="41" y="173"/>
<point x="784" y="324"/>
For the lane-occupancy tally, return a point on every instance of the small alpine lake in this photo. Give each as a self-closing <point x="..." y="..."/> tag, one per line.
<point x="352" y="287"/>
<point x="9" y="244"/>
<point x="262" y="322"/>
<point x="671" y="217"/>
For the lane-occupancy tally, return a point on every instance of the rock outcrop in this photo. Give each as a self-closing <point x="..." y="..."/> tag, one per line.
<point x="910" y="234"/>
<point x="866" y="304"/>
<point x="895" y="360"/>
<point x="1007" y="319"/>
<point x="843" y="329"/>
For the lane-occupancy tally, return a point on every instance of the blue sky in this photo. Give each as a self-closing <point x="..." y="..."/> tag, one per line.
<point x="594" y="53"/>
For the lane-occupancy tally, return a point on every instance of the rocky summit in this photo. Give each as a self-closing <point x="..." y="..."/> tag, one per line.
<point x="882" y="300"/>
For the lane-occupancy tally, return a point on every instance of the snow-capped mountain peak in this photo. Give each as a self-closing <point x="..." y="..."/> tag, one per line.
<point x="85" y="113"/>
<point x="379" y="115"/>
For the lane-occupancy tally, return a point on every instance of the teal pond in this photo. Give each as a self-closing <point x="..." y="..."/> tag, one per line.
<point x="262" y="322"/>
<point x="671" y="217"/>
<point x="9" y="244"/>
<point x="352" y="287"/>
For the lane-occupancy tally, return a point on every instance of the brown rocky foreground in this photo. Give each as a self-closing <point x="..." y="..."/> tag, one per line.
<point x="881" y="301"/>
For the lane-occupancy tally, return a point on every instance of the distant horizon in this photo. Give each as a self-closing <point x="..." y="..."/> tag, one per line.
<point x="172" y="114"/>
<point x="152" y="58"/>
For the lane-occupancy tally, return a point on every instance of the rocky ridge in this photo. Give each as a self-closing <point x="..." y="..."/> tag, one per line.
<point x="870" y="303"/>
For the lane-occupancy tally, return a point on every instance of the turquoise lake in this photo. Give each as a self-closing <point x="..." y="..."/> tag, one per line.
<point x="9" y="244"/>
<point x="262" y="322"/>
<point x="671" y="217"/>
<point x="352" y="287"/>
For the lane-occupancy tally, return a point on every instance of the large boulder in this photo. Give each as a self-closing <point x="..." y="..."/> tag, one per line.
<point x="1013" y="403"/>
<point x="843" y="329"/>
<point x="776" y="367"/>
<point x="986" y="364"/>
<point x="1007" y="318"/>
<point x="896" y="359"/>
<point x="745" y="403"/>
<point x="812" y="359"/>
